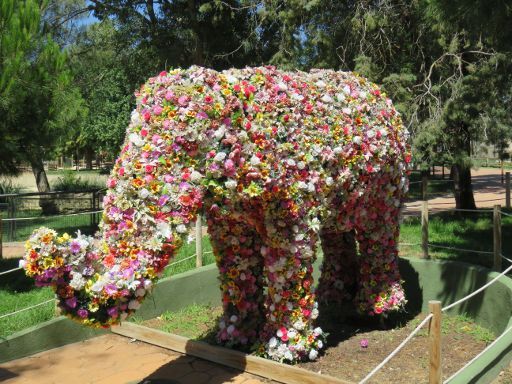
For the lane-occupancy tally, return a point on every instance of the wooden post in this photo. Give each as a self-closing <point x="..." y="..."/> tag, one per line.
<point x="442" y="171"/>
<point x="199" y="242"/>
<point x="424" y="185"/>
<point x="507" y="189"/>
<point x="435" y="370"/>
<point x="1" y="245"/>
<point x="424" y="229"/>
<point x="497" y="237"/>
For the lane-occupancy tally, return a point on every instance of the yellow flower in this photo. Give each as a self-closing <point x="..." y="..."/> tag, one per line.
<point x="93" y="307"/>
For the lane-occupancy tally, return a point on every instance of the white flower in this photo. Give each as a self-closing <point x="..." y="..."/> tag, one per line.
<point x="288" y="355"/>
<point x="164" y="229"/>
<point x="136" y="139"/>
<point x="272" y="343"/>
<point x="356" y="140"/>
<point x="77" y="282"/>
<point x="299" y="325"/>
<point x="255" y="160"/>
<point x="135" y="118"/>
<point x="318" y="331"/>
<point x="143" y="193"/>
<point x="329" y="181"/>
<point x="140" y="292"/>
<point x="220" y="156"/>
<point x="230" y="184"/>
<point x="370" y="133"/>
<point x="290" y="162"/>
<point x="292" y="333"/>
<point x="315" y="224"/>
<point x="231" y="329"/>
<point x="279" y="333"/>
<point x="340" y="97"/>
<point x="313" y="354"/>
<point x="22" y="263"/>
<point x="301" y="165"/>
<point x="219" y="133"/>
<point x="326" y="99"/>
<point x="282" y="86"/>
<point x="346" y="111"/>
<point x="181" y="228"/>
<point x="302" y="185"/>
<point x="134" y="304"/>
<point x="295" y="228"/>
<point x="231" y="79"/>
<point x="233" y="318"/>
<point x="337" y="150"/>
<point x="314" y="313"/>
<point x="320" y="84"/>
<point x="320" y="344"/>
<point x="195" y="176"/>
<point x="346" y="89"/>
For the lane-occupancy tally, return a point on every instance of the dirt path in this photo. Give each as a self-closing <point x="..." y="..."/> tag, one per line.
<point x="113" y="359"/>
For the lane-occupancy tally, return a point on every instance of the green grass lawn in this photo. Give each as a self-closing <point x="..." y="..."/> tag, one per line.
<point x="466" y="231"/>
<point x="436" y="186"/>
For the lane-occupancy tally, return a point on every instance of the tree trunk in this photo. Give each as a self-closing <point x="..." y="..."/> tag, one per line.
<point x="462" y="188"/>
<point x="46" y="202"/>
<point x="89" y="156"/>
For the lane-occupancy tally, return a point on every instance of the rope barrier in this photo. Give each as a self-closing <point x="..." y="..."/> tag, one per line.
<point x="27" y="308"/>
<point x="409" y="244"/>
<point x="9" y="271"/>
<point x="477" y="291"/>
<point x="397" y="349"/>
<point x="51" y="217"/>
<point x="460" y="249"/>
<point x="506" y="258"/>
<point x="188" y="258"/>
<point x="505" y="213"/>
<point x="478" y="356"/>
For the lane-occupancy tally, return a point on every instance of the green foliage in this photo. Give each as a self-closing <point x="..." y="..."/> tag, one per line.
<point x="70" y="181"/>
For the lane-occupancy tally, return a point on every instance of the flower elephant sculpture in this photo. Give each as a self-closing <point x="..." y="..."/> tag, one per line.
<point x="277" y="161"/>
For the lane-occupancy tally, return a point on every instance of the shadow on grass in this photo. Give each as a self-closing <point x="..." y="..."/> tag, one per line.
<point x="15" y="281"/>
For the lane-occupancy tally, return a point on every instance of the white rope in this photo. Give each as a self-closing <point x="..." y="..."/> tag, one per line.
<point x="409" y="244"/>
<point x="478" y="356"/>
<point x="27" y="308"/>
<point x="460" y="249"/>
<point x="188" y="258"/>
<point x="506" y="258"/>
<point x="9" y="271"/>
<point x="50" y="217"/>
<point x="397" y="349"/>
<point x="505" y="213"/>
<point x="478" y="290"/>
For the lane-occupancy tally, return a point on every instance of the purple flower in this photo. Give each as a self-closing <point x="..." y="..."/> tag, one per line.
<point x="110" y="289"/>
<point x="364" y="343"/>
<point x="112" y="312"/>
<point x="82" y="313"/>
<point x="75" y="246"/>
<point x="71" y="302"/>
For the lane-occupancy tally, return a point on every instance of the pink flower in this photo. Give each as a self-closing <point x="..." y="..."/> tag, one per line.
<point x="364" y="343"/>
<point x="157" y="110"/>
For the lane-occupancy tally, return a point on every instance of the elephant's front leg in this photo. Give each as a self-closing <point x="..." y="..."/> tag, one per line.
<point x="288" y="334"/>
<point x="237" y="248"/>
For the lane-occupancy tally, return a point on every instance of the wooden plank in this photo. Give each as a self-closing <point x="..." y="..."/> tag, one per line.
<point x="435" y="370"/>
<point x="256" y="365"/>
<point x="199" y="242"/>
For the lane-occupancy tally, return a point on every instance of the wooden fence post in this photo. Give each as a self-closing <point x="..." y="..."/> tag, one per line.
<point x="507" y="189"/>
<point x="199" y="242"/>
<point x="424" y="229"/>
<point x="424" y="185"/>
<point x="1" y="244"/>
<point x="435" y="370"/>
<point x="497" y="237"/>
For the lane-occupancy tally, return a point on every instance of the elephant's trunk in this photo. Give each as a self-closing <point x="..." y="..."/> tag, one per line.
<point x="150" y="201"/>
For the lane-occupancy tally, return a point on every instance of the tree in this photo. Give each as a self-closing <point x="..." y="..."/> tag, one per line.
<point x="39" y="102"/>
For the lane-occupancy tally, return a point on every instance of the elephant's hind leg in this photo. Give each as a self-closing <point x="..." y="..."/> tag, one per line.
<point x="237" y="249"/>
<point x="339" y="268"/>
<point x="380" y="288"/>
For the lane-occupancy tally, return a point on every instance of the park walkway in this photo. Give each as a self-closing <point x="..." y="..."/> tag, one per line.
<point x="113" y="359"/>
